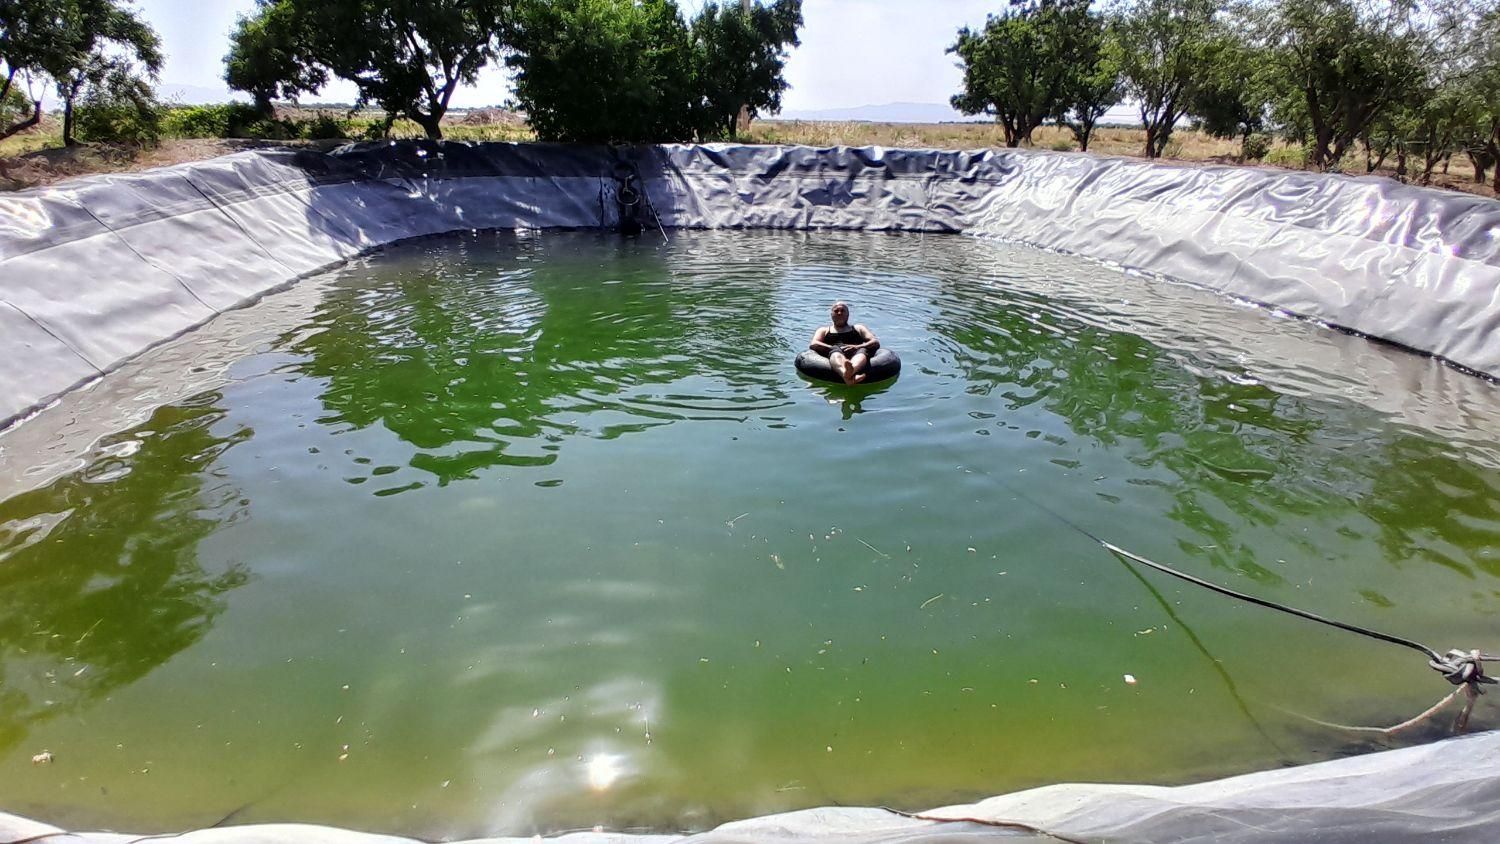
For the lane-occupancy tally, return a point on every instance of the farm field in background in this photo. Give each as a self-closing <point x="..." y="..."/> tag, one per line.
<point x="37" y="157"/>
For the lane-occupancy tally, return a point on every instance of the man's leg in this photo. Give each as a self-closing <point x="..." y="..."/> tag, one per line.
<point x="841" y="365"/>
<point x="857" y="365"/>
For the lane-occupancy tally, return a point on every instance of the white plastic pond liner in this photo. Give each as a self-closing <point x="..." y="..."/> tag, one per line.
<point x="95" y="270"/>
<point x="1443" y="792"/>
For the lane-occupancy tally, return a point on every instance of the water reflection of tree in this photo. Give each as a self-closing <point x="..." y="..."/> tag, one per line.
<point x="99" y="578"/>
<point x="1236" y="447"/>
<point x="484" y="351"/>
<point x="1422" y="485"/>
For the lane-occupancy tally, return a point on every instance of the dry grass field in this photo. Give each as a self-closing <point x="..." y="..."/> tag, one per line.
<point x="36" y="157"/>
<point x="1186" y="145"/>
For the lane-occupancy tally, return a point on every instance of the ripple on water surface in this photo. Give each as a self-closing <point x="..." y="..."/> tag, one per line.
<point x="514" y="533"/>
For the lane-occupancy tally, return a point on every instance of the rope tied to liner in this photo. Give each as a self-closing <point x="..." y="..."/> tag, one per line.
<point x="631" y="197"/>
<point x="1459" y="667"/>
<point x="1464" y="668"/>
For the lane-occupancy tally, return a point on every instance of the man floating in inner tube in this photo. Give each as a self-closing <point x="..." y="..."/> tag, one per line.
<point x="847" y="347"/>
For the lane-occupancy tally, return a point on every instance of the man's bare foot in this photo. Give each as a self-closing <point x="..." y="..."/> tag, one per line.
<point x="860" y="377"/>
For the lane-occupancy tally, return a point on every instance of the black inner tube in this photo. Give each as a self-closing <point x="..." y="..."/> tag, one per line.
<point x="883" y="365"/>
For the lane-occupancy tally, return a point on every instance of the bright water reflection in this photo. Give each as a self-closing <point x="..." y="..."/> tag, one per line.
<point x="519" y="533"/>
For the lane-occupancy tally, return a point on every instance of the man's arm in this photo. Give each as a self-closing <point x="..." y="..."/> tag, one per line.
<point x="817" y="343"/>
<point x="871" y="343"/>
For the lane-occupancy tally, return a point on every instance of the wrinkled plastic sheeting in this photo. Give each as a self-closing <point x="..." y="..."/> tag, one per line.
<point x="1448" y="791"/>
<point x="95" y="270"/>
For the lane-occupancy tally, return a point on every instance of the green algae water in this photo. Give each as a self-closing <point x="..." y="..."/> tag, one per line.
<point x="515" y="533"/>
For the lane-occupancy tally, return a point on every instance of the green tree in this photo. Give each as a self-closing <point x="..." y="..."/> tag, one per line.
<point x="113" y="103"/>
<point x="102" y="43"/>
<point x="1094" y="83"/>
<point x="15" y="107"/>
<point x="1483" y="142"/>
<point x="269" y="56"/>
<point x="407" y="57"/>
<point x="29" y="35"/>
<point x="741" y="53"/>
<point x="1163" y="58"/>
<point x="75" y="44"/>
<point x="1025" y="63"/>
<point x="1340" y="65"/>
<point x="1231" y="99"/>
<point x="602" y="71"/>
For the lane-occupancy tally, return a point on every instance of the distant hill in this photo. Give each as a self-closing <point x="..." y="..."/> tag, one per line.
<point x="1120" y="115"/>
<point x="177" y="92"/>
<point x="888" y="113"/>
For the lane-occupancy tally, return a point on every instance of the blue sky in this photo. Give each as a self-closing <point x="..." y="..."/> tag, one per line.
<point x="854" y="52"/>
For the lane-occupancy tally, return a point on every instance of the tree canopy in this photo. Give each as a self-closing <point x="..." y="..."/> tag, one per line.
<point x="606" y="70"/>
<point x="407" y="57"/>
<point x="585" y="70"/>
<point x="76" y="46"/>
<point x="1036" y="60"/>
<point x="1163" y="47"/>
<point x="740" y="59"/>
<point x="634" y="70"/>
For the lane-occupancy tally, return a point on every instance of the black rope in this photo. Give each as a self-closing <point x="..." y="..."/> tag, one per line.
<point x="1461" y="668"/>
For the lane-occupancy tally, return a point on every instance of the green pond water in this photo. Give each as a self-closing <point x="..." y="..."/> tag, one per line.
<point x="520" y="533"/>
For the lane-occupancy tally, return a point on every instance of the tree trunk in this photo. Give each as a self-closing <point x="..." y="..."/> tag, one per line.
<point x="1481" y="160"/>
<point x="1012" y="137"/>
<point x="742" y="118"/>
<point x="1430" y="163"/>
<point x="67" y="138"/>
<point x="430" y="123"/>
<point x="1322" y="146"/>
<point x="1157" y="138"/>
<point x="1493" y="149"/>
<point x="34" y="119"/>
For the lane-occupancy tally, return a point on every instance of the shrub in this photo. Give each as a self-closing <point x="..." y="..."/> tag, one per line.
<point x="222" y="120"/>
<point x="117" y="119"/>
<point x="1256" y="146"/>
<point x="268" y="129"/>
<point x="325" y="126"/>
<point x="1062" y="145"/>
<point x="1294" y="157"/>
<point x="14" y="107"/>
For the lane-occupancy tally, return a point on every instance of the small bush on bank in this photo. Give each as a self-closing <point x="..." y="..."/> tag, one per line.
<point x="269" y="129"/>
<point x="117" y="120"/>
<point x="325" y="127"/>
<point x="1294" y="157"/>
<point x="223" y="120"/>
<point x="1257" y="146"/>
